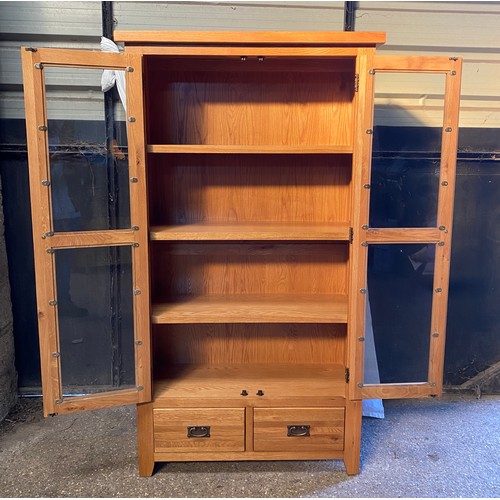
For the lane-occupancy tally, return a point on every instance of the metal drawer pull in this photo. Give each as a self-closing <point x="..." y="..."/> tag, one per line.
<point x="299" y="430"/>
<point x="199" y="431"/>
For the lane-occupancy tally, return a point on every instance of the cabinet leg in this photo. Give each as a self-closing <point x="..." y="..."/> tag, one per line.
<point x="146" y="467"/>
<point x="145" y="439"/>
<point x="352" y="444"/>
<point x="351" y="465"/>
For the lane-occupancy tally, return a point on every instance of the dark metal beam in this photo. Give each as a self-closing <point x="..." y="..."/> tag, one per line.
<point x="107" y="19"/>
<point x="113" y="215"/>
<point x="350" y="16"/>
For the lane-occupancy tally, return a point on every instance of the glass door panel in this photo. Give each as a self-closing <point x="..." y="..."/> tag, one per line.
<point x="87" y="151"/>
<point x="406" y="238"/>
<point x="399" y="298"/>
<point x="95" y="319"/>
<point x="408" y="123"/>
<point x="89" y="229"/>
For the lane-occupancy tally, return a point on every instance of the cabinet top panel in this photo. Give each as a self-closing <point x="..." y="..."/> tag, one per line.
<point x="334" y="38"/>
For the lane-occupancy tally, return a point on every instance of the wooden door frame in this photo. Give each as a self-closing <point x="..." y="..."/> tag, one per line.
<point x="45" y="242"/>
<point x="440" y="235"/>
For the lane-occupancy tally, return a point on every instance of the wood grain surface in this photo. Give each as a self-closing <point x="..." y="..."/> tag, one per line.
<point x="251" y="343"/>
<point x="229" y="107"/>
<point x="221" y="188"/>
<point x="239" y="37"/>
<point x="238" y="149"/>
<point x="253" y="308"/>
<point x="246" y="269"/>
<point x="271" y="429"/>
<point x="226" y="381"/>
<point x="272" y="231"/>
<point x="227" y="429"/>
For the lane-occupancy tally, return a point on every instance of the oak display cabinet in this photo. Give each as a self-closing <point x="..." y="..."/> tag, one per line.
<point x="249" y="157"/>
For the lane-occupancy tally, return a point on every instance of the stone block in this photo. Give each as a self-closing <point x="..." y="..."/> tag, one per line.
<point x="8" y="375"/>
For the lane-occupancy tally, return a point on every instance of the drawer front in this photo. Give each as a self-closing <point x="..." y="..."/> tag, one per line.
<point x="298" y="429"/>
<point x="199" y="429"/>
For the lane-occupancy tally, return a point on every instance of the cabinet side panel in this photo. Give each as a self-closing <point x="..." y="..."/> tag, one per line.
<point x="360" y="213"/>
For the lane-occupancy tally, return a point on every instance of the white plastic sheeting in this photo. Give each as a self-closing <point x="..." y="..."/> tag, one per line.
<point x="112" y="77"/>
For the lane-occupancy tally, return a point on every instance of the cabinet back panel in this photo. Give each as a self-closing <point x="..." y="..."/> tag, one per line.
<point x="249" y="188"/>
<point x="230" y="106"/>
<point x="246" y="268"/>
<point x="248" y="344"/>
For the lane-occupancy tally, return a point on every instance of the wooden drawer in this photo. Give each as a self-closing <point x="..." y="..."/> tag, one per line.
<point x="199" y="429"/>
<point x="298" y="429"/>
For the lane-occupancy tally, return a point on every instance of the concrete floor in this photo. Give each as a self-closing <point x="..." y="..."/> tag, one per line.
<point x="446" y="447"/>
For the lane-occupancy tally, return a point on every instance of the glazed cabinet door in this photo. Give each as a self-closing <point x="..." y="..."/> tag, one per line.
<point x="88" y="199"/>
<point x="404" y="227"/>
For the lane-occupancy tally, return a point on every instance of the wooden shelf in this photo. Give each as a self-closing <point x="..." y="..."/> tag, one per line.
<point x="227" y="381"/>
<point x="272" y="231"/>
<point x="245" y="149"/>
<point x="264" y="308"/>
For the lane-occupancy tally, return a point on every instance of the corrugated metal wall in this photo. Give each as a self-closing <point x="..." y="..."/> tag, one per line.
<point x="292" y="16"/>
<point x="76" y="93"/>
<point x="467" y="29"/>
<point x="49" y="24"/>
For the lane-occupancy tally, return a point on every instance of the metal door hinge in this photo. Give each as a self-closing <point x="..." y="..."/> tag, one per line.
<point x="356" y="82"/>
<point x="351" y="235"/>
<point x="347" y="375"/>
